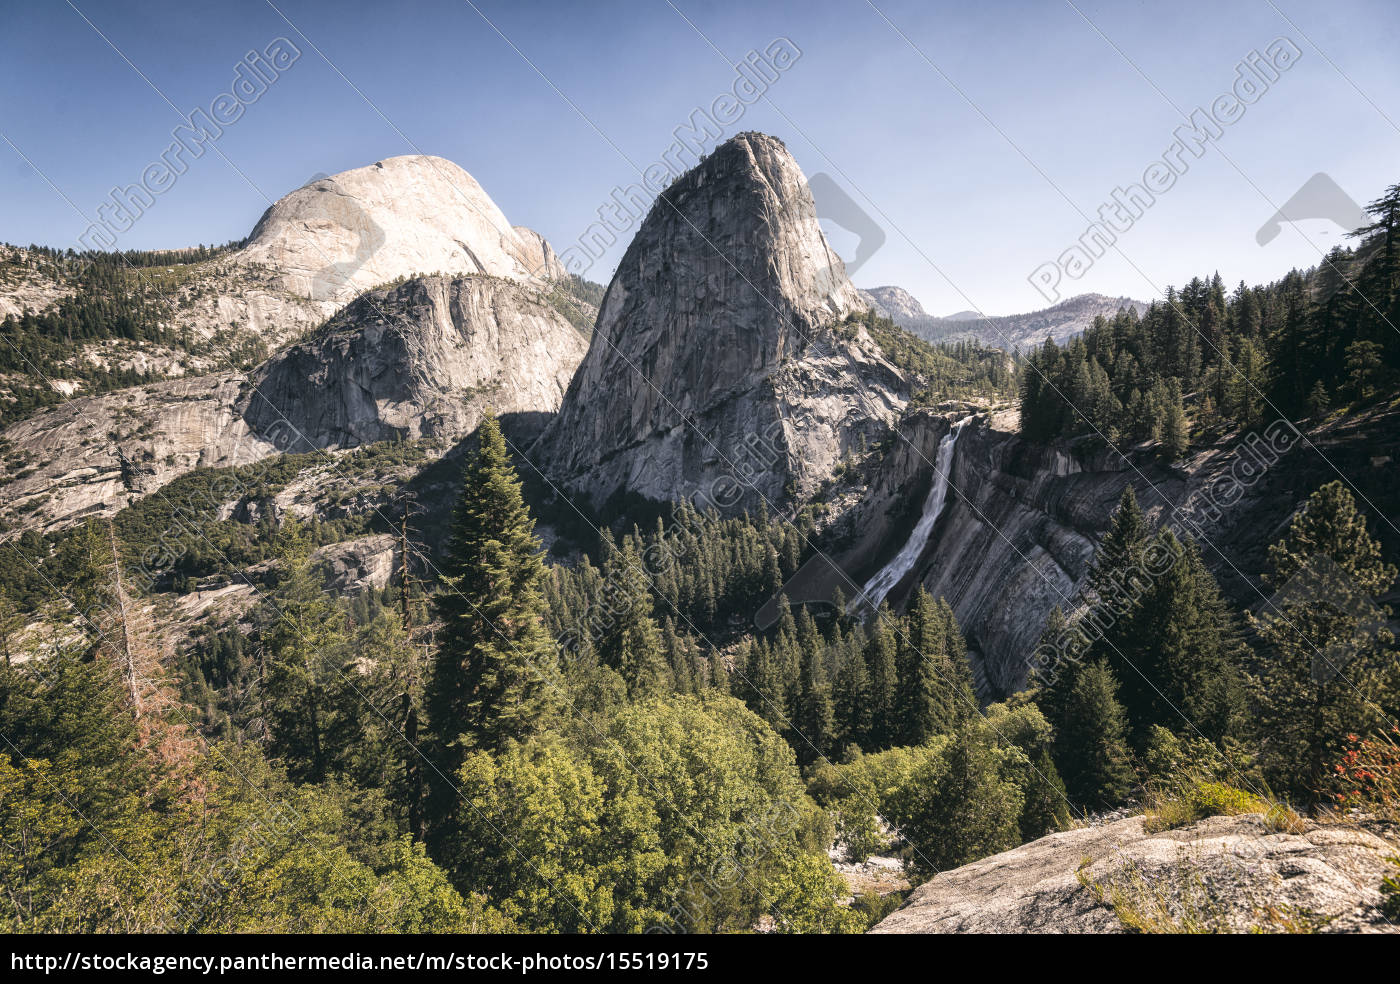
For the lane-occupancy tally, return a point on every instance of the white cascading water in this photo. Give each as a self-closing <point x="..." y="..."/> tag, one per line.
<point x="892" y="573"/>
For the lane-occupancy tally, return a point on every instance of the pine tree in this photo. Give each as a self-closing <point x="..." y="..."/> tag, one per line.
<point x="931" y="698"/>
<point x="1118" y="554"/>
<point x="1056" y="670"/>
<point x="1046" y="806"/>
<point x="494" y="677"/>
<point x="1176" y="428"/>
<point x="814" y="714"/>
<point x="962" y="699"/>
<point x="631" y="643"/>
<point x="305" y="657"/>
<point x="880" y="652"/>
<point x="719" y="672"/>
<point x="1091" y="747"/>
<point x="854" y="716"/>
<point x="1178" y="655"/>
<point x="1326" y="661"/>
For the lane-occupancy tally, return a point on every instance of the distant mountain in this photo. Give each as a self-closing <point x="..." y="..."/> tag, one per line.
<point x="894" y="303"/>
<point x="1011" y="331"/>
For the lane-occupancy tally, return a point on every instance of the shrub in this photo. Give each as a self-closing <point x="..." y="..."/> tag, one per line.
<point x="1187" y="800"/>
<point x="1368" y="775"/>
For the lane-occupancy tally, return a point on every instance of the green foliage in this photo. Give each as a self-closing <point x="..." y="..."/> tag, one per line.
<point x="1321" y="676"/>
<point x="859" y="794"/>
<point x="947" y="370"/>
<point x="98" y="838"/>
<point x="495" y="677"/>
<point x="1189" y="801"/>
<point x="934" y="693"/>
<point x="110" y="297"/>
<point x="961" y="806"/>
<point x="576" y="299"/>
<point x="688" y="813"/>
<point x="1227" y="359"/>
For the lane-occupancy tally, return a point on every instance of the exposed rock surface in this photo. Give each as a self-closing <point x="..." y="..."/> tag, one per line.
<point x="337" y="236"/>
<point x="1224" y="874"/>
<point x="1022" y="521"/>
<point x="23" y="288"/>
<point x="895" y="303"/>
<point x="91" y="455"/>
<point x="358" y="565"/>
<point x="540" y="258"/>
<point x="311" y="253"/>
<point x="460" y="345"/>
<point x="712" y="369"/>
<point x="423" y="358"/>
<point x="1061" y="321"/>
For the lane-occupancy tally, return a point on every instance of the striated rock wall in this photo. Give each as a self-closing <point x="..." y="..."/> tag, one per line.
<point x="423" y="358"/>
<point x="712" y="363"/>
<point x="92" y="455"/>
<point x="1022" y="521"/>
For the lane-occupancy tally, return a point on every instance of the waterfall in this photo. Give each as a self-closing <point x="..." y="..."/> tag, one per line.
<point x="892" y="573"/>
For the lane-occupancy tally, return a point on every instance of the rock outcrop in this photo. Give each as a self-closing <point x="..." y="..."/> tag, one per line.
<point x="421" y="359"/>
<point x="311" y="253"/>
<point x="540" y="258"/>
<point x="92" y="455"/>
<point x="358" y="565"/>
<point x="895" y="303"/>
<point x="1223" y="874"/>
<point x="713" y="368"/>
<point x="338" y="236"/>
<point x="1021" y="521"/>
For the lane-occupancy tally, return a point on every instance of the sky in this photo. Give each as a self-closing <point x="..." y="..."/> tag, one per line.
<point x="979" y="139"/>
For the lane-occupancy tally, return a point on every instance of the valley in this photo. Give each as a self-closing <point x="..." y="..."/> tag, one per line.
<point x="384" y="509"/>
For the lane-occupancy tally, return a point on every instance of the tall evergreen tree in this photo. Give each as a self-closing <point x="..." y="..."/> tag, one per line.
<point x="933" y="695"/>
<point x="1178" y="658"/>
<point x="1327" y="666"/>
<point x="880" y="657"/>
<point x="305" y="656"/>
<point x="1091" y="746"/>
<point x="631" y="643"/>
<point x="495" y="674"/>
<point x="814" y="714"/>
<point x="854" y="713"/>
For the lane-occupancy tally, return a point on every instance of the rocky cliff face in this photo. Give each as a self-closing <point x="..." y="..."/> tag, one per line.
<point x="311" y="253"/>
<point x="713" y="368"/>
<point x="1021" y="521"/>
<point x="92" y="455"/>
<point x="1224" y="874"/>
<point x="421" y="359"/>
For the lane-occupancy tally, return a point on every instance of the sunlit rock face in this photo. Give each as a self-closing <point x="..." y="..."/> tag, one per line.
<point x="713" y="369"/>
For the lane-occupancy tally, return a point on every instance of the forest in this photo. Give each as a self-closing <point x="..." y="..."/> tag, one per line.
<point x="506" y="740"/>
<point x="1314" y="342"/>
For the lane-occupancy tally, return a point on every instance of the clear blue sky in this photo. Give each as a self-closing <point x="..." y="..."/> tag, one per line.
<point x="860" y="104"/>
